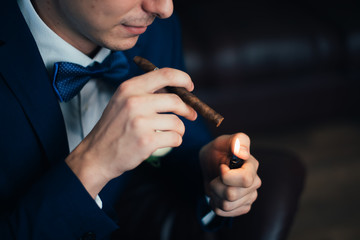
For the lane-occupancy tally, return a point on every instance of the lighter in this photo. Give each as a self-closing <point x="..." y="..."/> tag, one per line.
<point x="236" y="162"/>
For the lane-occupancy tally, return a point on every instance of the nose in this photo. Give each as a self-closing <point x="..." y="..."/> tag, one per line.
<point x="160" y="8"/>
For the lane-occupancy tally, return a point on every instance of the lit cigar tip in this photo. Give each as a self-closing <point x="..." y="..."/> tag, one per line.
<point x="185" y="95"/>
<point x="219" y="121"/>
<point x="138" y="59"/>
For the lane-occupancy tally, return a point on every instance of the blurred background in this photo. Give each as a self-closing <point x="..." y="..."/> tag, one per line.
<point x="287" y="74"/>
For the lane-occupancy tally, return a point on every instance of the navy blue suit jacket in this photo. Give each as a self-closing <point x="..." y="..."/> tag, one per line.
<point x="40" y="196"/>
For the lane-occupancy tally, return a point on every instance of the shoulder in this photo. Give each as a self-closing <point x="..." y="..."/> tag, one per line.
<point x="15" y="38"/>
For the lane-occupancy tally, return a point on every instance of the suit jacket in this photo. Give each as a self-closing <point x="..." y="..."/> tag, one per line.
<point x="40" y="196"/>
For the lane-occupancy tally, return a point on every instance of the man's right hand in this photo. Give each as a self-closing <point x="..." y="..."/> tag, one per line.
<point x="136" y="122"/>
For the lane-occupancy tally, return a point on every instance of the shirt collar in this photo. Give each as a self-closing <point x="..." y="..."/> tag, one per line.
<point x="52" y="47"/>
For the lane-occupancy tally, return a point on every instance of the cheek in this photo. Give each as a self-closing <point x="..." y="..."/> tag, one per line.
<point x="108" y="11"/>
<point x="100" y="21"/>
<point x="94" y="15"/>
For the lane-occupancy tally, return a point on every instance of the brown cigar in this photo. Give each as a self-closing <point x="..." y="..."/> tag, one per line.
<point x="189" y="98"/>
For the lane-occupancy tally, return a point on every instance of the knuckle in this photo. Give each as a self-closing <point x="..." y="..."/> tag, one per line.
<point x="218" y="211"/>
<point x="124" y="87"/>
<point x="178" y="125"/>
<point x="132" y="103"/>
<point x="186" y="77"/>
<point x="167" y="73"/>
<point x="144" y="141"/>
<point x="247" y="180"/>
<point x="138" y="122"/>
<point x="231" y="194"/>
<point x="227" y="206"/>
<point x="176" y="77"/>
<point x="258" y="182"/>
<point x="174" y="139"/>
<point x="174" y="99"/>
<point x="177" y="140"/>
<point x="182" y="128"/>
<point x="115" y="101"/>
<point x="245" y="209"/>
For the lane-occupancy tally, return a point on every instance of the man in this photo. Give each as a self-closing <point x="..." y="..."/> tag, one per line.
<point x="64" y="163"/>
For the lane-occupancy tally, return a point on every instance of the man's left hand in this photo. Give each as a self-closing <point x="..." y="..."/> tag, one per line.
<point x="231" y="191"/>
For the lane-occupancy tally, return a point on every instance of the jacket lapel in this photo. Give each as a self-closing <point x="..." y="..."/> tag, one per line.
<point x="25" y="74"/>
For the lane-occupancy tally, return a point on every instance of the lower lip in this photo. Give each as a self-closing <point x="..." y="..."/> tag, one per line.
<point x="135" y="30"/>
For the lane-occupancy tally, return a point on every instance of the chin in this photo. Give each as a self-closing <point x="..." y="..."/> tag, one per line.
<point x="122" y="44"/>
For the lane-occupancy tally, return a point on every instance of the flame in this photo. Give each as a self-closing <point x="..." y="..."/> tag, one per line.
<point x="237" y="147"/>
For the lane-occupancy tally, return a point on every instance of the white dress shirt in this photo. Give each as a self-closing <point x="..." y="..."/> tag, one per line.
<point x="84" y="110"/>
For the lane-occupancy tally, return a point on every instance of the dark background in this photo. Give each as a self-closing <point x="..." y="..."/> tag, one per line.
<point x="287" y="74"/>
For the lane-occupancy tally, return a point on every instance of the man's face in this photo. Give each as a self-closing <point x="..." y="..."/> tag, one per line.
<point x="115" y="24"/>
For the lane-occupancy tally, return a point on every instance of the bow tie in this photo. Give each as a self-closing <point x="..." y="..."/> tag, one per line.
<point x="70" y="78"/>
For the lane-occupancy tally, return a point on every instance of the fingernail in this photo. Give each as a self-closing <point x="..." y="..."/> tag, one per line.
<point x="244" y="150"/>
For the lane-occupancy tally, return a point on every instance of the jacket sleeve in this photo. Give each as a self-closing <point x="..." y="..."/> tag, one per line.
<point x="57" y="207"/>
<point x="40" y="197"/>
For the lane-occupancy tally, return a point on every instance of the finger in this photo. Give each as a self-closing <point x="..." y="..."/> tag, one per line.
<point x="167" y="139"/>
<point x="244" y="140"/>
<point x="240" y="177"/>
<point x="237" y="212"/>
<point x="230" y="193"/>
<point x="167" y="122"/>
<point x="153" y="81"/>
<point x="222" y="191"/>
<point x="243" y="197"/>
<point x="150" y="104"/>
<point x="225" y="143"/>
<point x="236" y="208"/>
<point x="169" y="102"/>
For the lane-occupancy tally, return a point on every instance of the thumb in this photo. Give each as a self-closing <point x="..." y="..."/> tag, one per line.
<point x="240" y="145"/>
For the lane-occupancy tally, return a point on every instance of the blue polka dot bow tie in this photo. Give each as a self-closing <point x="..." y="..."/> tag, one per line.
<point x="70" y="78"/>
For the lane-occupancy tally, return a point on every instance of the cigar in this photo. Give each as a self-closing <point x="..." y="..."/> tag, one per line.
<point x="189" y="98"/>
